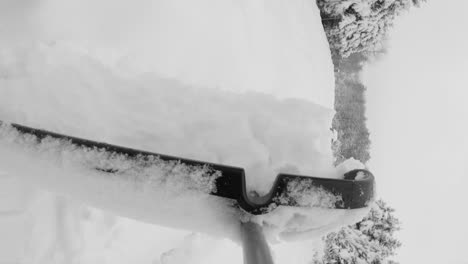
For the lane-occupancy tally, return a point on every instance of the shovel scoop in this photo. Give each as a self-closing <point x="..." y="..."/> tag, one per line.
<point x="355" y="190"/>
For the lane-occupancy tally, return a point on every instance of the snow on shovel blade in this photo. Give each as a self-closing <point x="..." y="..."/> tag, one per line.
<point x="356" y="190"/>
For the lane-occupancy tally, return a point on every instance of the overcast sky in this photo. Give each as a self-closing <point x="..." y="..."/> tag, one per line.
<point x="418" y="116"/>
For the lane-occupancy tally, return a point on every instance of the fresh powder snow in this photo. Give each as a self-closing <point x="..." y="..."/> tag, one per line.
<point x="247" y="84"/>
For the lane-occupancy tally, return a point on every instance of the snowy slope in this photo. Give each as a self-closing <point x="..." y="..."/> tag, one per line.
<point x="233" y="83"/>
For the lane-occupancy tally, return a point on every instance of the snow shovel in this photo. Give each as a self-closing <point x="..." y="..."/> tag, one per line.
<point x="356" y="189"/>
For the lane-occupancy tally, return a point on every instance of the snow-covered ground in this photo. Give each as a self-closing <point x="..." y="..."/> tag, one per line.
<point x="247" y="84"/>
<point x="418" y="116"/>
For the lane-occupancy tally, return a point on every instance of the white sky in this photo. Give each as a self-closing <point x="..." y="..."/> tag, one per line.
<point x="418" y="116"/>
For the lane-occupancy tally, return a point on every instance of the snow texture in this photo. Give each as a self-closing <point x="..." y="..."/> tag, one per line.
<point x="170" y="175"/>
<point x="248" y="84"/>
<point x="317" y="197"/>
<point x="163" y="193"/>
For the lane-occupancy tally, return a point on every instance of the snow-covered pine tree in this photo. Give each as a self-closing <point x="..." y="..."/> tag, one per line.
<point x="370" y="241"/>
<point x="359" y="25"/>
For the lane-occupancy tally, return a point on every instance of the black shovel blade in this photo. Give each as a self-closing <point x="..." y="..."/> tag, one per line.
<point x="355" y="190"/>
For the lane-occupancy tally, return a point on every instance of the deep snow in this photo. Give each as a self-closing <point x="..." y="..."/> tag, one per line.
<point x="231" y="83"/>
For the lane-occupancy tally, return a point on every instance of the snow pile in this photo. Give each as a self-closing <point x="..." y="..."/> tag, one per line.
<point x="55" y="89"/>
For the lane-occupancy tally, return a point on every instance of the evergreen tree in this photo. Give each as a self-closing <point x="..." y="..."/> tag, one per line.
<point x="359" y="25"/>
<point x="369" y="241"/>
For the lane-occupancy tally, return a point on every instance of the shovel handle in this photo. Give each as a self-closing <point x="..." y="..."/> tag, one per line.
<point x="254" y="245"/>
